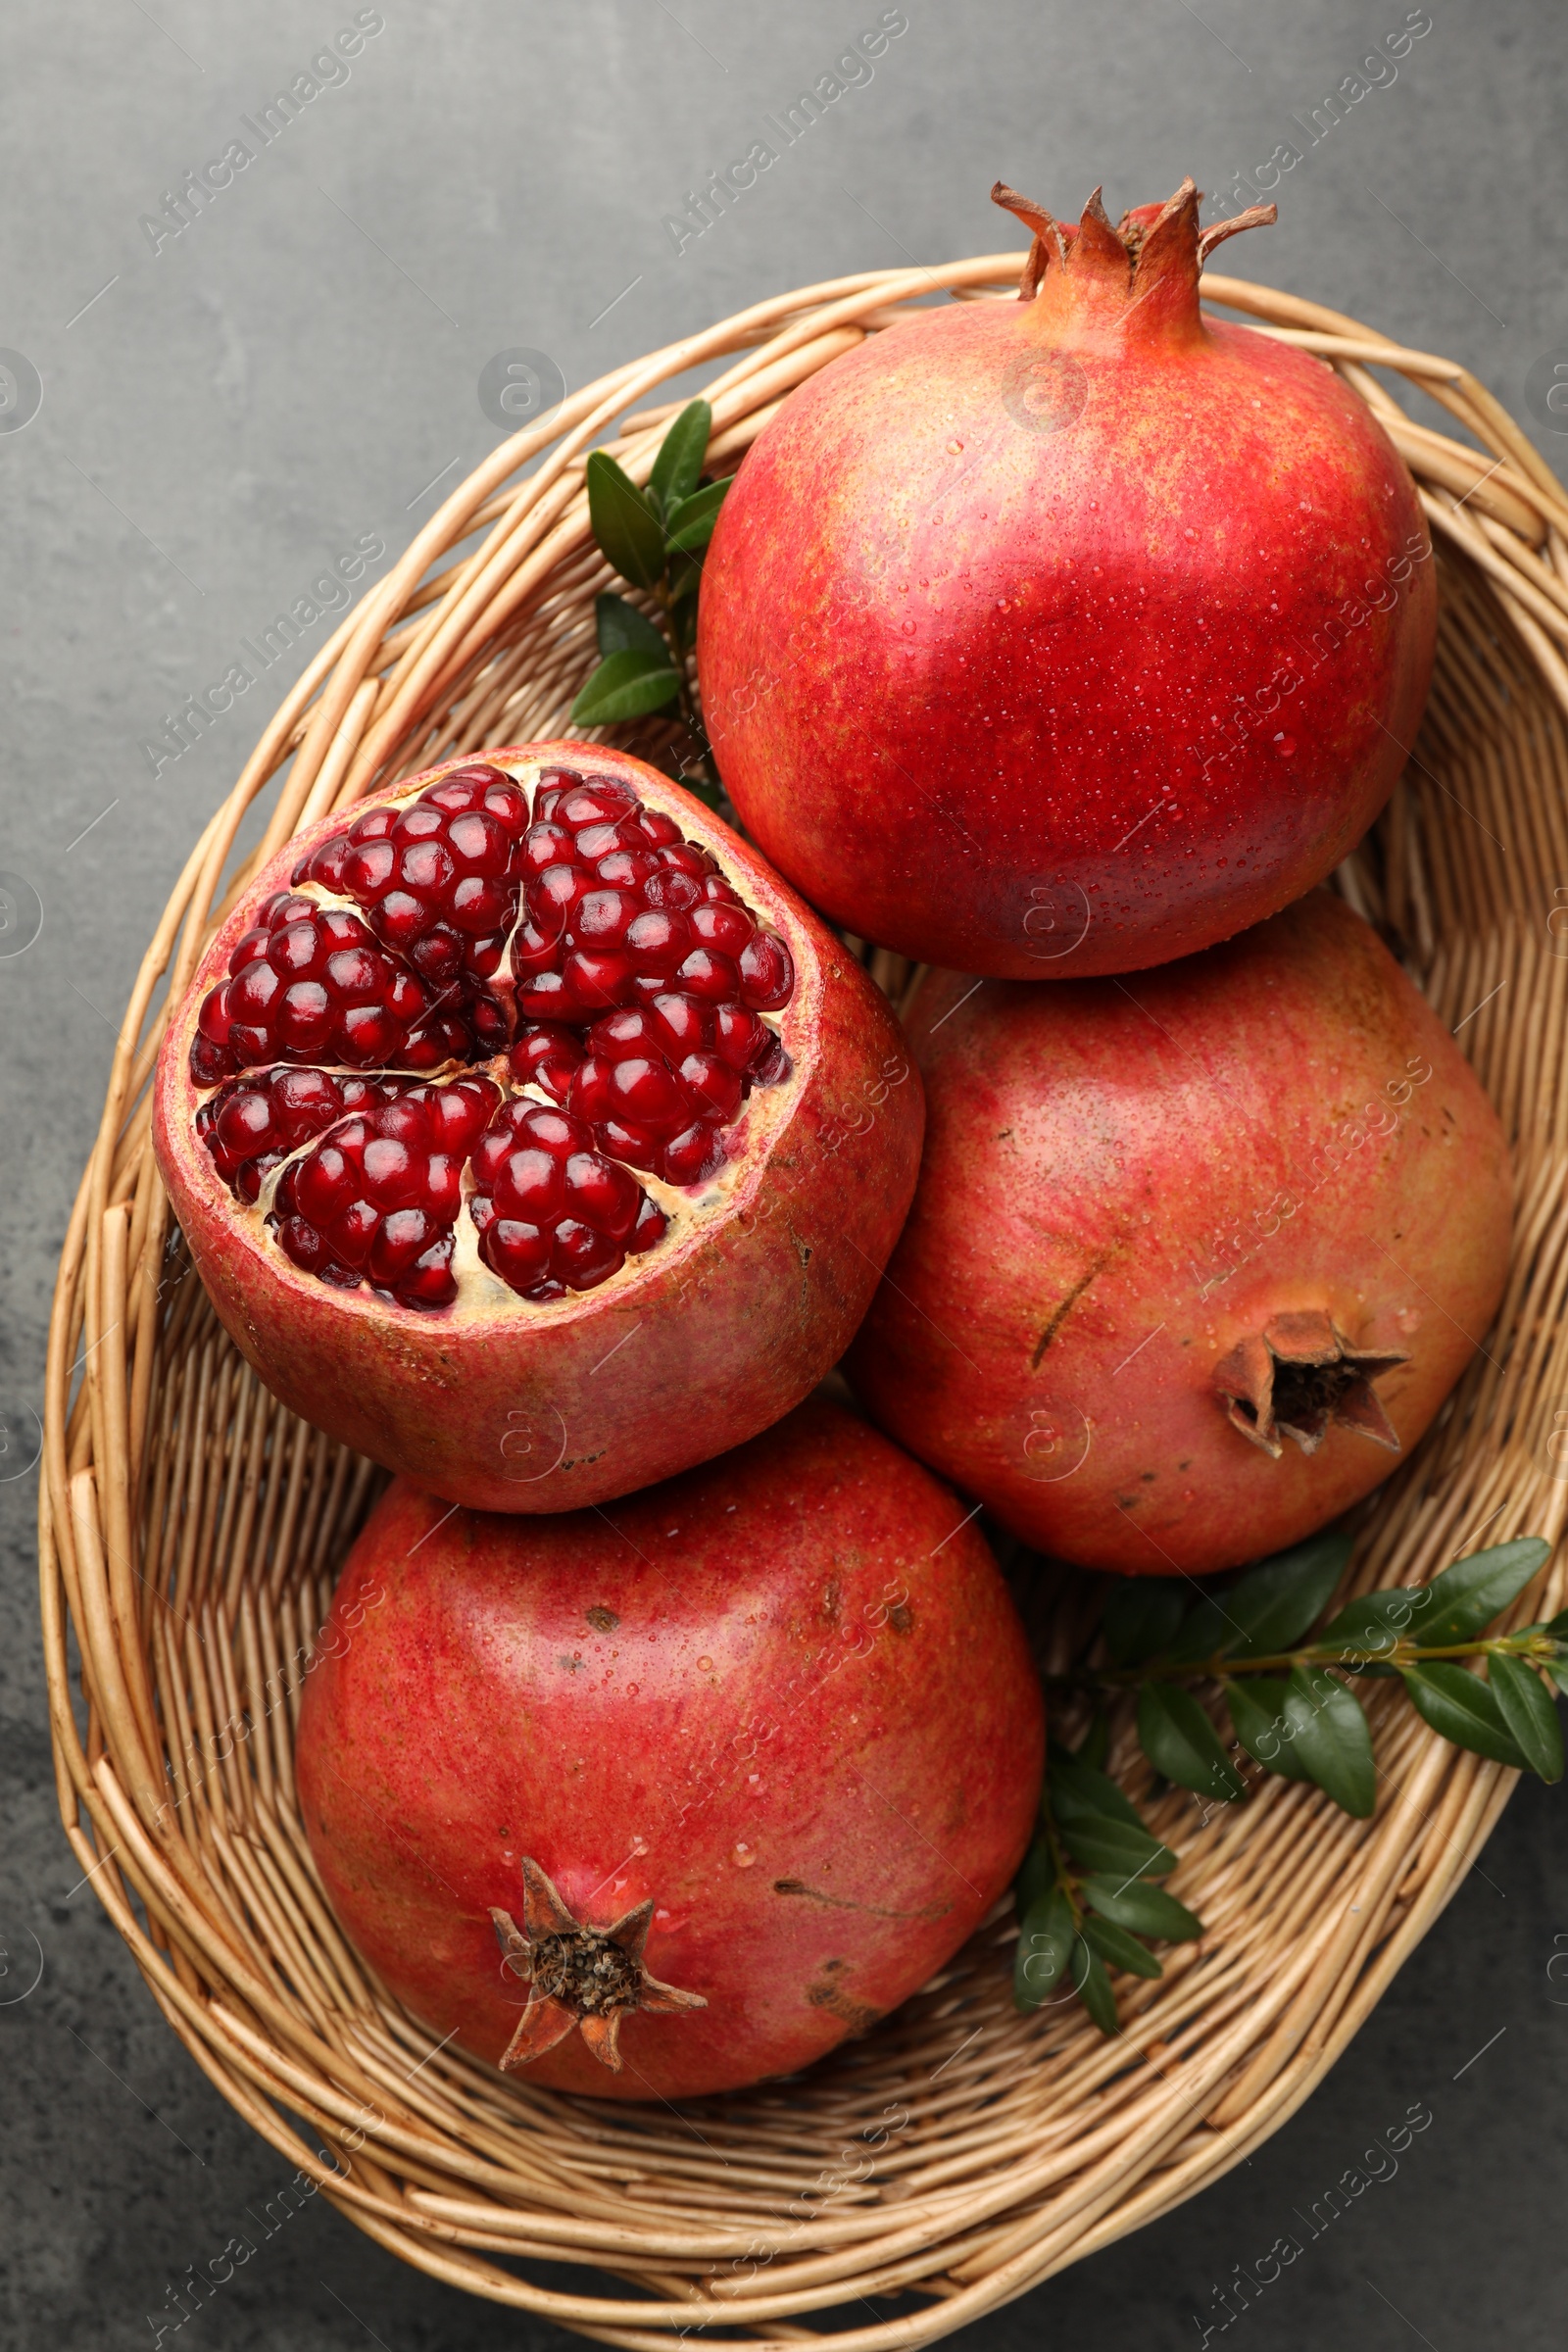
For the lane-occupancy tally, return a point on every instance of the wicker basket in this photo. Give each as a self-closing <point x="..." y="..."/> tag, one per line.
<point x="190" y="1528"/>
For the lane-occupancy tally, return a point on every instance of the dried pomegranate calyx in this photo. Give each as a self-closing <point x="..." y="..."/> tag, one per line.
<point x="1299" y="1377"/>
<point x="577" y="1976"/>
<point x="1146" y="244"/>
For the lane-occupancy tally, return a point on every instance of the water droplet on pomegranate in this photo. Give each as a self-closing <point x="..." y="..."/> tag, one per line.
<point x="1284" y="747"/>
<point x="743" y="1856"/>
<point x="954" y="448"/>
<point x="705" y="1665"/>
<point x="631" y="1692"/>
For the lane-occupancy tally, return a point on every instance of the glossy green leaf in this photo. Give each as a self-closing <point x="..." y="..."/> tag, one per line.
<point x="1557" y="1626"/>
<point x="1463" y="1710"/>
<point x="1204" y="1632"/>
<point x="689" y="525"/>
<point x="1331" y="1741"/>
<point x="1370" y="1627"/>
<point x="1116" y="1848"/>
<point x="1095" y="1745"/>
<point x="1037" y="1874"/>
<point x="1466" y="1598"/>
<point x="621" y="630"/>
<point x="1075" y="1790"/>
<point x="678" y="466"/>
<point x="1280" y="1600"/>
<point x="1141" y="1616"/>
<point x="629" y="534"/>
<point x="625" y="686"/>
<point x="1180" y="1741"/>
<point x="1257" y="1712"/>
<point x="1146" y="1910"/>
<point x="1045" y="1940"/>
<point x="1118" y="1949"/>
<point x="1529" y="1713"/>
<point x="1092" y="1987"/>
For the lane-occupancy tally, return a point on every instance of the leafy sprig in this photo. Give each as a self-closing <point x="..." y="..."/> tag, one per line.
<point x="1082" y="1894"/>
<point x="654" y="538"/>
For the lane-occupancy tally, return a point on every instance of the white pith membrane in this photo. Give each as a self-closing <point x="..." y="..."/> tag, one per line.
<point x="741" y="1142"/>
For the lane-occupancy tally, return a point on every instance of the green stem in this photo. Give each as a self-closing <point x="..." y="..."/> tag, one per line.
<point x="1540" y="1648"/>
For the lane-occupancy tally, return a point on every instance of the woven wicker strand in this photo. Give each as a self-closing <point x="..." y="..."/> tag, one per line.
<point x="190" y="1528"/>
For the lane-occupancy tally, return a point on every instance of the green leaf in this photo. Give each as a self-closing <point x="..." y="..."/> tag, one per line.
<point x="625" y="686"/>
<point x="1370" y="1627"/>
<point x="1331" y="1743"/>
<point x="629" y="534"/>
<point x="1111" y="1846"/>
<point x="1179" y="1741"/>
<point x="1466" y="1598"/>
<point x="1046" y="1941"/>
<point x="1277" y="1602"/>
<point x="1142" y="1614"/>
<point x="1556" y="1626"/>
<point x="1092" y="1987"/>
<point x="1075" y="1790"/>
<point x="1257" y="1712"/>
<point x="1463" y="1710"/>
<point x="689" y="525"/>
<point x="1037" y="1874"/>
<point x="622" y="629"/>
<point x="1118" y="1949"/>
<point x="1205" y="1633"/>
<point x="1529" y="1712"/>
<point x="678" y="466"/>
<point x="1095" y="1745"/>
<point x="1146" y="1910"/>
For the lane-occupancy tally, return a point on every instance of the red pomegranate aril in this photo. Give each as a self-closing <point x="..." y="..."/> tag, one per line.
<point x="356" y="975"/>
<point x="425" y="865"/>
<point x="643" y="1091"/>
<point x="674" y="893"/>
<point x="694" y="1157"/>
<point x="650" y="1226"/>
<point x="430" y="1282"/>
<point x="479" y="844"/>
<point x="369" y="867"/>
<point x="724" y="927"/>
<point x="252" y="993"/>
<point x="351" y="1231"/>
<point x="374" y="825"/>
<point x="599" y="800"/>
<point x="634" y="1145"/>
<point x="480" y="903"/>
<point x="554" y="896"/>
<point x="245" y="1126"/>
<point x="547" y="845"/>
<point x="530" y="1183"/>
<point x="399" y="1241"/>
<point x="603" y="841"/>
<point x="304" y="1021"/>
<point x="628" y="869"/>
<point x="602" y="918"/>
<point x="422" y="822"/>
<point x="392" y="1176"/>
<point x="597" y="977"/>
<point x="303" y="1244"/>
<point x="581" y="1256"/>
<point x="659" y="940"/>
<point x="602" y="1194"/>
<point x="686" y="858"/>
<point x="322" y="1185"/>
<point x="401" y="918"/>
<point x="767" y="973"/>
<point x="295" y="952"/>
<point x="712" y="1088"/>
<point x="686" y="1027"/>
<point x="519" y="1252"/>
<point x="710" y="976"/>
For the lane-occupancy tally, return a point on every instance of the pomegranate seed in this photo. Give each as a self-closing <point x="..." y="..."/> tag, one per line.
<point x="710" y="976"/>
<point x="693" y="1156"/>
<point x="712" y="1088"/>
<point x="727" y="928"/>
<point x="767" y="973"/>
<point x="581" y="1256"/>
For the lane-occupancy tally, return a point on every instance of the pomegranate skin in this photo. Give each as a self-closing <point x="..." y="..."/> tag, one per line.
<point x="1124" y="1184"/>
<point x="786" y="1696"/>
<point x="711" y="1337"/>
<point x="1066" y="636"/>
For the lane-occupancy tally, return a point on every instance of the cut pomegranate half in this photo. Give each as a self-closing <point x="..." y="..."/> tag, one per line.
<point x="490" y="1074"/>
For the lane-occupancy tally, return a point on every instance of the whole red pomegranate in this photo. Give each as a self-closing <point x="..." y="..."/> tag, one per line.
<point x="726" y="1772"/>
<point x="1067" y="635"/>
<point x="1194" y="1257"/>
<point x="530" y="1136"/>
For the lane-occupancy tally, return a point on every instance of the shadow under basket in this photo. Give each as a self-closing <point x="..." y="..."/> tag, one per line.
<point x="190" y="1528"/>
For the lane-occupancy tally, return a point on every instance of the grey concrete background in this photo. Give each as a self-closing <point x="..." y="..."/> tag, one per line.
<point x="223" y="416"/>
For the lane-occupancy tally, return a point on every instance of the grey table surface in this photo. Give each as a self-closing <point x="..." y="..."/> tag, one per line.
<point x="198" y="419"/>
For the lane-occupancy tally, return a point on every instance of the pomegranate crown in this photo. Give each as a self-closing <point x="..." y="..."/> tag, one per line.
<point x="1153" y="249"/>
